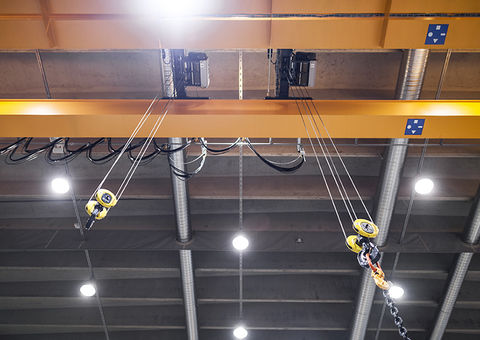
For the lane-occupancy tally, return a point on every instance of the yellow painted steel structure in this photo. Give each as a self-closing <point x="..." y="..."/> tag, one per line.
<point x="234" y="118"/>
<point x="225" y="24"/>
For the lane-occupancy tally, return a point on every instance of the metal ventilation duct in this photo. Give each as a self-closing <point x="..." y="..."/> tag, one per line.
<point x="409" y="85"/>
<point x="180" y="197"/>
<point x="457" y="275"/>
<point x="184" y="235"/>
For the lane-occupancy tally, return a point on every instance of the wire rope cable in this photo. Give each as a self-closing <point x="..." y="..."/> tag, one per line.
<point x="240" y="227"/>
<point x="338" y="155"/>
<point x="127" y="144"/>
<point x="344" y="196"/>
<point x="330" y="163"/>
<point x="143" y="150"/>
<point x="321" y="171"/>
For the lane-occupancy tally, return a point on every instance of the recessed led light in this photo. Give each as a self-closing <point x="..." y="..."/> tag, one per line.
<point x="396" y="292"/>
<point x="240" y="242"/>
<point x="424" y="186"/>
<point x="88" y="289"/>
<point x="60" y="185"/>
<point x="240" y="332"/>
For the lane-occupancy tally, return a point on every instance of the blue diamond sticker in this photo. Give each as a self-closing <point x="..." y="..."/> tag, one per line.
<point x="414" y="127"/>
<point x="436" y="34"/>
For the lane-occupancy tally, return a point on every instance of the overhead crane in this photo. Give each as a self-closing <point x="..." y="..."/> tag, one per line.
<point x="262" y="24"/>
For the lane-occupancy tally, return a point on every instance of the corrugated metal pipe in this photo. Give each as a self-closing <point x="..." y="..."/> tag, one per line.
<point x="409" y="85"/>
<point x="457" y="274"/>
<point x="180" y="197"/>
<point x="184" y="235"/>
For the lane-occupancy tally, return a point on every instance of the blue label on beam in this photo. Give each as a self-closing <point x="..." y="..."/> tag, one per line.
<point x="436" y="34"/>
<point x="414" y="126"/>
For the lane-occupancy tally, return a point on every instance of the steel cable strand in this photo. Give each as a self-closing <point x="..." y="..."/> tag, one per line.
<point x="336" y="176"/>
<point x="321" y="171"/>
<point x="335" y="172"/>
<point x="127" y="144"/>
<point x="345" y="198"/>
<point x="144" y="148"/>
<point x="340" y="158"/>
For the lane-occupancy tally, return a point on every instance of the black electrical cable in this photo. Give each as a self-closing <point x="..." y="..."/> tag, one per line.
<point x="113" y="151"/>
<point x="270" y="56"/>
<point x="143" y="159"/>
<point x="89" y="147"/>
<point x="24" y="143"/>
<point x="37" y="150"/>
<point x="31" y="154"/>
<point x="130" y="148"/>
<point x="11" y="146"/>
<point x="101" y="160"/>
<point x="70" y="154"/>
<point x="166" y="148"/>
<point x="219" y="151"/>
<point x="65" y="158"/>
<point x="275" y="166"/>
<point x="183" y="174"/>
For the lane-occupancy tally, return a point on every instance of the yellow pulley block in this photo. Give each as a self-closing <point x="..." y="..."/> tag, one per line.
<point x="365" y="228"/>
<point x="106" y="198"/>
<point x="92" y="207"/>
<point x="352" y="244"/>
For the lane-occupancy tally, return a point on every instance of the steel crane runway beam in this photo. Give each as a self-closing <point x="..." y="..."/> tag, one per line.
<point x="234" y="118"/>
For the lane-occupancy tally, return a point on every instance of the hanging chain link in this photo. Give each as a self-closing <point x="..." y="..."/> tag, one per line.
<point x="396" y="318"/>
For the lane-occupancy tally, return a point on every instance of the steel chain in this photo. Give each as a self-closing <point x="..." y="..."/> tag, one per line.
<point x="396" y="318"/>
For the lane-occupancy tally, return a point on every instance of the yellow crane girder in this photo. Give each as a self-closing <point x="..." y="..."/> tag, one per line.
<point x="240" y="118"/>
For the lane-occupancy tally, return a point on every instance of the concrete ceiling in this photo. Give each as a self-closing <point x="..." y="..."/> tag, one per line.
<point x="136" y="74"/>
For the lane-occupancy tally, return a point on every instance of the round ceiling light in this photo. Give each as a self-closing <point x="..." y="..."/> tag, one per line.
<point x="240" y="332"/>
<point x="424" y="186"/>
<point x="240" y="242"/>
<point x="60" y="185"/>
<point x="88" y="289"/>
<point x="396" y="292"/>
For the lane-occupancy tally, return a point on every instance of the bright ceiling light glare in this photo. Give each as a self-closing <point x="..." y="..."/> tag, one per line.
<point x="396" y="292"/>
<point x="240" y="242"/>
<point x="88" y="289"/>
<point x="240" y="332"/>
<point x="169" y="8"/>
<point x="424" y="186"/>
<point x="60" y="185"/>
